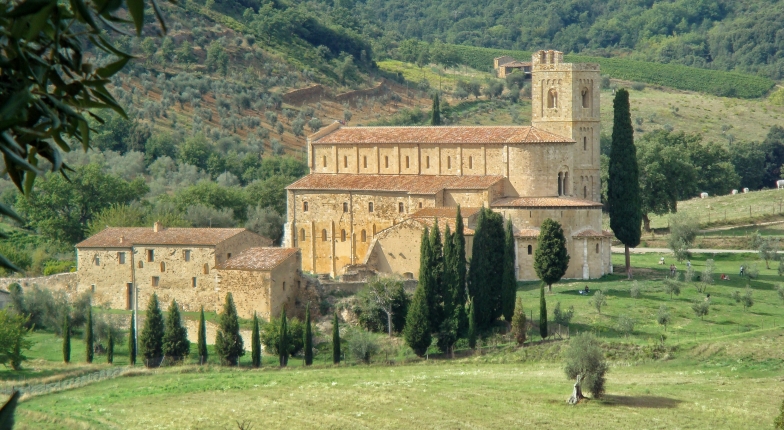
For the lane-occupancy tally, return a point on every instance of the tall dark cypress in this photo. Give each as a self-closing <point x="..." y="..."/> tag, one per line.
<point x="460" y="293"/>
<point x="202" y="338"/>
<point x="88" y="336"/>
<point x="132" y="341"/>
<point x="426" y="276"/>
<point x="435" y="118"/>
<point x="176" y="345"/>
<point x="449" y="279"/>
<point x="623" y="186"/>
<point x="66" y="340"/>
<point x="308" y="341"/>
<point x="509" y="280"/>
<point x="110" y="349"/>
<point x="472" y="326"/>
<point x="417" y="331"/>
<point x="487" y="261"/>
<point x="436" y="294"/>
<point x="551" y="258"/>
<point x="542" y="313"/>
<point x="228" y="342"/>
<point x="255" y="343"/>
<point x="152" y="334"/>
<point x="335" y="340"/>
<point x="283" y="340"/>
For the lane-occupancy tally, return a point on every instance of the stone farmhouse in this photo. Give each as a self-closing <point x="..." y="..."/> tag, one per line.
<point x="372" y="190"/>
<point x="195" y="266"/>
<point x="505" y="66"/>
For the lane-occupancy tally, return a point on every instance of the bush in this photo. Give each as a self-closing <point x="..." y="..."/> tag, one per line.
<point x="638" y="86"/>
<point x="373" y="318"/>
<point x="701" y="308"/>
<point x="625" y="325"/>
<point x="270" y="336"/>
<point x="599" y="300"/>
<point x="585" y="357"/>
<point x="362" y="345"/>
<point x="561" y="317"/>
<point x="519" y="323"/>
<point x="634" y="291"/>
<point x="52" y="267"/>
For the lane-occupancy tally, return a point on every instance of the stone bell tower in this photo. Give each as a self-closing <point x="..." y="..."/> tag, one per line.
<point x="565" y="101"/>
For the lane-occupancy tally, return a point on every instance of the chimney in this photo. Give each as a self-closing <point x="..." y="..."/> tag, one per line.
<point x="122" y="238"/>
<point x="157" y="227"/>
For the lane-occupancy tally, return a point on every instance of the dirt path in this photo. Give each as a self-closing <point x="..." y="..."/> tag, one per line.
<point x="620" y="250"/>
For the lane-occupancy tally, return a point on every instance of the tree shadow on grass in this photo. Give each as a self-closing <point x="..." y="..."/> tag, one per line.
<point x="655" y="402"/>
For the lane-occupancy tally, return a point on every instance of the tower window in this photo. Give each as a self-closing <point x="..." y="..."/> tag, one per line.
<point x="343" y="235"/>
<point x="374" y="229"/>
<point x="304" y="206"/>
<point x="345" y="206"/>
<point x="597" y="248"/>
<point x="448" y="162"/>
<point x="560" y="183"/>
<point x="325" y="161"/>
<point x="585" y="143"/>
<point x="400" y="207"/>
<point x="470" y="162"/>
<point x="585" y="192"/>
<point x="427" y="162"/>
<point x="552" y="98"/>
<point x="363" y="236"/>
<point x="370" y="206"/>
<point x="324" y="235"/>
<point x="586" y="95"/>
<point x="302" y="235"/>
<point x="530" y="249"/>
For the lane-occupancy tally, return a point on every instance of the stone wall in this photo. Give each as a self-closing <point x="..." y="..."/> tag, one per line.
<point x="351" y="96"/>
<point x="304" y="95"/>
<point x="60" y="281"/>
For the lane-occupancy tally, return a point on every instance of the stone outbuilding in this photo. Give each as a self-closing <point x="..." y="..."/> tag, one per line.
<point x="264" y="280"/>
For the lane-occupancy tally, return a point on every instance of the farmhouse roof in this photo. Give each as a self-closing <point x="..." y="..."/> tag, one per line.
<point x="544" y="202"/>
<point x="258" y="259"/>
<point x="438" y="135"/>
<point x="444" y="212"/>
<point x="516" y="64"/>
<point x="592" y="233"/>
<point x="126" y="237"/>
<point x="411" y="184"/>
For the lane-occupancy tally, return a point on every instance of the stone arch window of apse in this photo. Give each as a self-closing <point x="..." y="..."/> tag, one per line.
<point x="552" y="98"/>
<point x="324" y="235"/>
<point x="563" y="183"/>
<point x="586" y="98"/>
<point x="585" y="143"/>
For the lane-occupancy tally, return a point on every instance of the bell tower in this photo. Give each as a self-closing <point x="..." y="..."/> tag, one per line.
<point x="565" y="101"/>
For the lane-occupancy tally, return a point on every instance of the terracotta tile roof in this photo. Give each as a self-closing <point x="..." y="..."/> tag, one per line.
<point x="126" y="237"/>
<point x="528" y="232"/>
<point x="411" y="184"/>
<point x="442" y="223"/>
<point x="442" y="134"/>
<point x="444" y="212"/>
<point x="589" y="233"/>
<point x="258" y="259"/>
<point x="544" y="202"/>
<point x="516" y="64"/>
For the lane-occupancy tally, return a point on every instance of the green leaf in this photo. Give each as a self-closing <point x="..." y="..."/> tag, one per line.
<point x="136" y="8"/>
<point x="84" y="12"/>
<point x="110" y="69"/>
<point x="9" y="212"/>
<point x="30" y="7"/>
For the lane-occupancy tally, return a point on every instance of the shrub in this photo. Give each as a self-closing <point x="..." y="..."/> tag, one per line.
<point x="599" y="300"/>
<point x="561" y="317"/>
<point x="701" y="308"/>
<point x="747" y="299"/>
<point x="671" y="287"/>
<point x="585" y="357"/>
<point x="519" y="323"/>
<point x="625" y="324"/>
<point x="270" y="336"/>
<point x="362" y="345"/>
<point x="52" y="267"/>
<point x="663" y="317"/>
<point x="634" y="291"/>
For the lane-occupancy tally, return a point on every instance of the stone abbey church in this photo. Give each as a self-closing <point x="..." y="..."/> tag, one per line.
<point x="372" y="190"/>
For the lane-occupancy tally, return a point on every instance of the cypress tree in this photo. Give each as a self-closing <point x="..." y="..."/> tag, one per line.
<point x="110" y="349"/>
<point x="551" y="258"/>
<point x="509" y="280"/>
<point x="426" y="276"/>
<point x="255" y="343"/>
<point x="459" y="253"/>
<point x="132" y="341"/>
<point x="175" y="337"/>
<point x="308" y="341"/>
<point x="88" y="336"/>
<point x="283" y="341"/>
<point x="623" y="186"/>
<point x="542" y="313"/>
<point x="202" y="338"/>
<point x="435" y="118"/>
<point x="228" y="342"/>
<point x="66" y="340"/>
<point x="487" y="261"/>
<point x="436" y="294"/>
<point x="335" y="341"/>
<point x="417" y="331"/>
<point x="471" y="326"/>
<point x="152" y="334"/>
<point x="449" y="279"/>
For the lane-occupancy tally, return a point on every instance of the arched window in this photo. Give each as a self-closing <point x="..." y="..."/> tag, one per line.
<point x="585" y="192"/>
<point x="325" y="161"/>
<point x="304" y="206"/>
<point x="407" y="162"/>
<point x="284" y="285"/>
<point x="420" y="205"/>
<point x="370" y="206"/>
<point x="206" y="269"/>
<point x="386" y="161"/>
<point x="560" y="183"/>
<point x="324" y="235"/>
<point x="343" y="235"/>
<point x="374" y="229"/>
<point x="345" y="206"/>
<point x="400" y="207"/>
<point x="302" y="235"/>
<point x="586" y="94"/>
<point x="530" y="249"/>
<point x="566" y="184"/>
<point x="345" y="161"/>
<point x="552" y="98"/>
<point x="470" y="162"/>
<point x="585" y="143"/>
<point x="363" y="236"/>
<point x="597" y="248"/>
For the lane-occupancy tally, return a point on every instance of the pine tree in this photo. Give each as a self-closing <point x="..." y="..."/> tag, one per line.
<point x="228" y="342"/>
<point x="88" y="336"/>
<point x="132" y="341"/>
<point x="176" y="345"/>
<point x="471" y="326"/>
<point x="623" y="189"/>
<point x="283" y="336"/>
<point x="202" y="338"/>
<point x="255" y="343"/>
<point x="417" y="331"/>
<point x="486" y="272"/>
<point x="542" y="313"/>
<point x="110" y="349"/>
<point x="308" y="341"/>
<point x="335" y="341"/>
<point x="152" y="334"/>
<point x="436" y="294"/>
<point x="458" y="248"/>
<point x="509" y="280"/>
<point x="435" y="118"/>
<point x="426" y="277"/>
<point x="551" y="258"/>
<point x="66" y="340"/>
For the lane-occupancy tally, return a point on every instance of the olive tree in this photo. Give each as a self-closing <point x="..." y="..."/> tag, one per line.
<point x="585" y="362"/>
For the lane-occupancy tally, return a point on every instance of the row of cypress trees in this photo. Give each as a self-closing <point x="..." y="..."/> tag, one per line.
<point x="89" y="342"/>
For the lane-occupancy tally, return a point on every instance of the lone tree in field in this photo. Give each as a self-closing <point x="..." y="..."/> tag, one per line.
<point x="586" y="364"/>
<point x="152" y="334"/>
<point x="551" y="258"/>
<point x="228" y="342"/>
<point x="417" y="330"/>
<point x="255" y="343"/>
<point x="202" y="338"/>
<point x="508" y="279"/>
<point x="66" y="340"/>
<point x="176" y="345"/>
<point x="542" y="313"/>
<point x="599" y="300"/>
<point x="88" y="336"/>
<point x="335" y="340"/>
<point x="663" y="317"/>
<point x="308" y="341"/>
<point x="623" y="186"/>
<point x="518" y="323"/>
<point x="131" y="341"/>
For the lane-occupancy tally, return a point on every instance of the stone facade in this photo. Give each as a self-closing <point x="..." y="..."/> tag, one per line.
<point x="367" y="184"/>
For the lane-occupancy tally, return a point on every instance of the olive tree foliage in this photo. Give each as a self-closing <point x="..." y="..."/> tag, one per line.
<point x="49" y="86"/>
<point x="683" y="231"/>
<point x="663" y="317"/>
<point x="599" y="300"/>
<point x="585" y="358"/>
<point x="767" y="246"/>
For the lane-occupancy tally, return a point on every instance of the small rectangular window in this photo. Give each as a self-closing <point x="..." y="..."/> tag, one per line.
<point x="150" y="255"/>
<point x="427" y="162"/>
<point x="386" y="161"/>
<point x="345" y="161"/>
<point x="364" y="161"/>
<point x="304" y="206"/>
<point x="370" y="207"/>
<point x="407" y="162"/>
<point x="92" y="288"/>
<point x="400" y="207"/>
<point x="155" y="281"/>
<point x="121" y="257"/>
<point x="193" y="282"/>
<point x="325" y="161"/>
<point x="97" y="260"/>
<point x="448" y="162"/>
<point x="470" y="162"/>
<point x="228" y="255"/>
<point x="345" y="207"/>
<point x="186" y="255"/>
